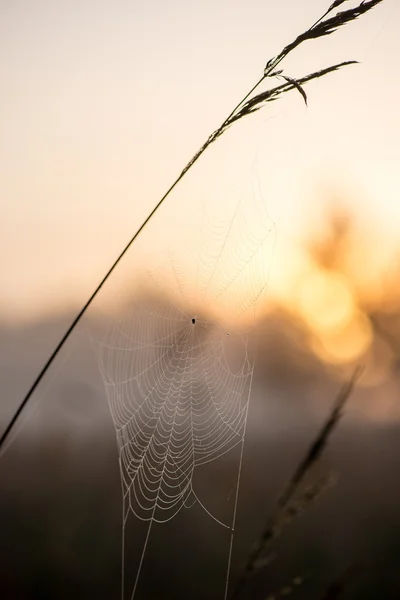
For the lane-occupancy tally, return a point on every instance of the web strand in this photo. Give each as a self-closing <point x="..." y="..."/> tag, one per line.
<point x="178" y="380"/>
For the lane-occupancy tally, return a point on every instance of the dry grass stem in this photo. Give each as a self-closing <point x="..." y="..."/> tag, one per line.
<point x="287" y="507"/>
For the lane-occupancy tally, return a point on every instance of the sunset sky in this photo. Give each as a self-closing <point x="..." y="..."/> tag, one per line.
<point x="277" y="255"/>
<point x="103" y="103"/>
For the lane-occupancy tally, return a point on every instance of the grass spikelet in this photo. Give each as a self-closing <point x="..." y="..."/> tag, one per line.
<point x="288" y="507"/>
<point x="322" y="27"/>
<point x="319" y="444"/>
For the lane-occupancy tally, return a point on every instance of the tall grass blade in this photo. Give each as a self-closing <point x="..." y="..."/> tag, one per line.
<point x="311" y="456"/>
<point x="320" y="28"/>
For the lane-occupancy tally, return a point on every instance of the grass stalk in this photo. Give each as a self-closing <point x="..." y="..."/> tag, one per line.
<point x="312" y="455"/>
<point x="325" y="25"/>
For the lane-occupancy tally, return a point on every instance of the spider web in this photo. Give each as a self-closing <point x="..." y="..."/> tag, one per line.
<point x="178" y="375"/>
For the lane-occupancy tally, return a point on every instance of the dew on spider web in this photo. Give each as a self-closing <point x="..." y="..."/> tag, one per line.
<point x="177" y="370"/>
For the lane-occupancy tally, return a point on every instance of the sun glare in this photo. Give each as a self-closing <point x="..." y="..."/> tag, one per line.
<point x="345" y="344"/>
<point x="325" y="301"/>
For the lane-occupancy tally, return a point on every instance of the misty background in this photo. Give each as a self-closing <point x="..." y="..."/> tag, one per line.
<point x="101" y="106"/>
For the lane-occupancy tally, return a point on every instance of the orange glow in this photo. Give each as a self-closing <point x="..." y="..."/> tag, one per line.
<point x="325" y="301"/>
<point x="346" y="344"/>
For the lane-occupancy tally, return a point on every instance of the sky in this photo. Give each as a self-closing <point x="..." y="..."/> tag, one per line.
<point x="102" y="104"/>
